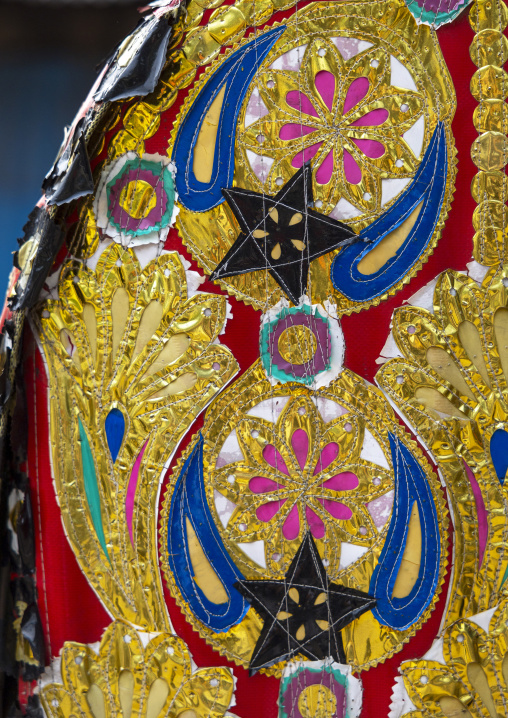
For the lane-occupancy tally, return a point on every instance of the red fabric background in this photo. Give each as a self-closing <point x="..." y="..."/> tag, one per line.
<point x="69" y="608"/>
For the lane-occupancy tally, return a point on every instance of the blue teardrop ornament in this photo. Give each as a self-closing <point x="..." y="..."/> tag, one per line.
<point x="115" y="429"/>
<point x="235" y="74"/>
<point x="499" y="453"/>
<point x="428" y="187"/>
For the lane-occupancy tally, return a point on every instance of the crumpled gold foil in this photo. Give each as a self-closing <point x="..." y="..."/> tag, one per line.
<point x="126" y="679"/>
<point x="364" y="410"/>
<point x="451" y="386"/>
<point x="473" y="679"/>
<point x="226" y="25"/>
<point x="127" y="339"/>
<point x="391" y="30"/>
<point x="489" y="152"/>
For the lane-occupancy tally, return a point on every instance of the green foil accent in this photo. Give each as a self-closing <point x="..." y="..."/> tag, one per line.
<point x="91" y="487"/>
<point x="432" y="18"/>
<point x="264" y="341"/>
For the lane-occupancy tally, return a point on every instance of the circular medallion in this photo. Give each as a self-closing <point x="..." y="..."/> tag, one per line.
<point x="296" y="344"/>
<point x="329" y="91"/>
<point x="280" y="465"/>
<point x="135" y="199"/>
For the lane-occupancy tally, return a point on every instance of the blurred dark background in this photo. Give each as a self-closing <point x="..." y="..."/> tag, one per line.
<point x="49" y="53"/>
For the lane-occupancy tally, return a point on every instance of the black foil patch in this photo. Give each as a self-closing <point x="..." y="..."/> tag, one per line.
<point x="31" y="631"/>
<point x="25" y="533"/>
<point x="141" y="74"/>
<point x="303" y="612"/>
<point x="281" y="234"/>
<point x="49" y="237"/>
<point x="70" y="177"/>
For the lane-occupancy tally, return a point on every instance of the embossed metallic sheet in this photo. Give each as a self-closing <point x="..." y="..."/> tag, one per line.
<point x="258" y="329"/>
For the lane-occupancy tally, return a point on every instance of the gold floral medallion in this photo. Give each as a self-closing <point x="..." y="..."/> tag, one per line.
<point x="281" y="462"/>
<point x="357" y="91"/>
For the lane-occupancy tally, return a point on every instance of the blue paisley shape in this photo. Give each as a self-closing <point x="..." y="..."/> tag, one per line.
<point x="189" y="503"/>
<point x="235" y="74"/>
<point x="428" y="187"/>
<point x="410" y="486"/>
<point x="499" y="453"/>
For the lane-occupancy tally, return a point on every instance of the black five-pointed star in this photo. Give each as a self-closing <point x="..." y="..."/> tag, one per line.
<point x="303" y="613"/>
<point x="281" y="234"/>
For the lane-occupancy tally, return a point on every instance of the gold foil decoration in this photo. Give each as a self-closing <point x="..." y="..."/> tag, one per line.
<point x="317" y="701"/>
<point x="125" y="339"/>
<point x="490" y="47"/>
<point x="472" y="680"/>
<point x="451" y="385"/>
<point x="493" y="115"/>
<point x="489" y="85"/>
<point x="490" y="82"/>
<point x="297" y="344"/>
<point x="209" y="235"/>
<point x="123" y="678"/>
<point x="261" y="418"/>
<point x="138" y="198"/>
<point x="490" y="151"/>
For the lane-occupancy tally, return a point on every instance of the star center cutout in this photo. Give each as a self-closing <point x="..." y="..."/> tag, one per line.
<point x="281" y="234"/>
<point x="304" y="612"/>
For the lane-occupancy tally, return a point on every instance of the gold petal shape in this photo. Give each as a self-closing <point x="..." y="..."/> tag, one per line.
<point x="141" y="347"/>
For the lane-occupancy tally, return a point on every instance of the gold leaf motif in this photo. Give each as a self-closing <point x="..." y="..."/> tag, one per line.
<point x="451" y="384"/>
<point x="472" y="680"/>
<point x="126" y="680"/>
<point x="124" y="344"/>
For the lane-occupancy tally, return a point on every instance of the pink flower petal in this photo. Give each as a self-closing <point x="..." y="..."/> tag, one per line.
<point x="131" y="491"/>
<point x="356" y="92"/>
<point x="267" y="511"/>
<point x="336" y="509"/>
<point x="325" y="85"/>
<point x="291" y="526"/>
<point x="351" y="170"/>
<point x="274" y="459"/>
<point x="300" y="443"/>
<point x="344" y="481"/>
<point x="316" y="524"/>
<point x="328" y="454"/>
<point x="262" y="485"/>
<point x="324" y="173"/>
<point x="299" y="101"/>
<point x="371" y="148"/>
<point x="305" y="155"/>
<point x="293" y="131"/>
<point x="371" y="119"/>
<point x="481" y="512"/>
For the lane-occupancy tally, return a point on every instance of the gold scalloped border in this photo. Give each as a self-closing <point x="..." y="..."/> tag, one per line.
<point x="242" y="632"/>
<point x="322" y="265"/>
